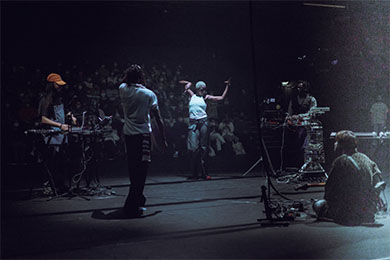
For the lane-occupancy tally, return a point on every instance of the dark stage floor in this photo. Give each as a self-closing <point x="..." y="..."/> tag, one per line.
<point x="185" y="219"/>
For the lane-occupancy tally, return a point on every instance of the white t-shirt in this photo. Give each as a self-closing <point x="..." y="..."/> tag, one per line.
<point x="197" y="107"/>
<point x="379" y="112"/>
<point x="137" y="102"/>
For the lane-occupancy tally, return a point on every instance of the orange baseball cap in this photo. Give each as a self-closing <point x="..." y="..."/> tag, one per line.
<point x="54" y="77"/>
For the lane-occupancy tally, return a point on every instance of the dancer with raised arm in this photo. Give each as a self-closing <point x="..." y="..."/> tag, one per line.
<point x="197" y="140"/>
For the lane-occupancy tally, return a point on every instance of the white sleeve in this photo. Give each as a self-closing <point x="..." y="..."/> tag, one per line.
<point x="154" y="102"/>
<point x="313" y="102"/>
<point x="120" y="89"/>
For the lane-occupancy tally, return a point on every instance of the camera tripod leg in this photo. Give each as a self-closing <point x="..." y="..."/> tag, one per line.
<point x="73" y="194"/>
<point x="253" y="166"/>
<point x="269" y="221"/>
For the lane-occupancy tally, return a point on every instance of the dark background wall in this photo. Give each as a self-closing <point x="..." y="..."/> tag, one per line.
<point x="212" y="40"/>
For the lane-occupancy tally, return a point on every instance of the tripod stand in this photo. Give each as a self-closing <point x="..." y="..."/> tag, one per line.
<point x="94" y="165"/>
<point x="381" y="150"/>
<point x="314" y="152"/>
<point x="253" y="166"/>
<point x="72" y="192"/>
<point x="269" y="221"/>
<point x="81" y="133"/>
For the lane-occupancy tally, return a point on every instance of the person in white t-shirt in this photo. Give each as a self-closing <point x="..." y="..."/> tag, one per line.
<point x="138" y="103"/>
<point x="197" y="140"/>
<point x="379" y="112"/>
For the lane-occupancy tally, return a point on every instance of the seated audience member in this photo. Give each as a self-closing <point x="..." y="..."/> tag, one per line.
<point x="179" y="132"/>
<point x="227" y="129"/>
<point x="216" y="139"/>
<point x="353" y="187"/>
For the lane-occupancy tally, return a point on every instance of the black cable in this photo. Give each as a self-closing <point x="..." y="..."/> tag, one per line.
<point x="269" y="166"/>
<point x="263" y="148"/>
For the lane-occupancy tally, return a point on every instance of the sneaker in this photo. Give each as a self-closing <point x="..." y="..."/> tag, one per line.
<point x="135" y="214"/>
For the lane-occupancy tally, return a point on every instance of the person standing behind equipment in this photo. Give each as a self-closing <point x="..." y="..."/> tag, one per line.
<point x="295" y="138"/>
<point x="52" y="111"/>
<point x="197" y="141"/>
<point x="138" y="103"/>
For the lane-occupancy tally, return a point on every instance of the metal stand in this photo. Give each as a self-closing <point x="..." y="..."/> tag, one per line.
<point x="47" y="170"/>
<point x="269" y="221"/>
<point x="253" y="166"/>
<point x="381" y="151"/>
<point x="97" y="157"/>
<point x="43" y="157"/>
<point x="72" y="191"/>
<point x="50" y="176"/>
<point x="71" y="194"/>
<point x="314" y="153"/>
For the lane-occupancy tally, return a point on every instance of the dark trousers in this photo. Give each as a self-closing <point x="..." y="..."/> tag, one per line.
<point x="197" y="143"/>
<point x="58" y="163"/>
<point x="294" y="147"/>
<point x="138" y="158"/>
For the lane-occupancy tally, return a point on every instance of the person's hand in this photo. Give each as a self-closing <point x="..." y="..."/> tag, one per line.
<point x="187" y="86"/>
<point x="72" y="117"/>
<point x="64" y="127"/>
<point x="74" y="120"/>
<point x="228" y="81"/>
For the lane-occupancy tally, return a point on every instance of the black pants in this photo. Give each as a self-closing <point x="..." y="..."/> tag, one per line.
<point x="197" y="143"/>
<point x="138" y="159"/>
<point x="294" y="147"/>
<point x="58" y="163"/>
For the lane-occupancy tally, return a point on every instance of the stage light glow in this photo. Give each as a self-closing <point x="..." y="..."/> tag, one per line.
<point x="285" y="83"/>
<point x="324" y="5"/>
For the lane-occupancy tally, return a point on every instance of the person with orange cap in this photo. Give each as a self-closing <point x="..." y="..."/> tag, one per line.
<point x="55" y="99"/>
<point x="52" y="112"/>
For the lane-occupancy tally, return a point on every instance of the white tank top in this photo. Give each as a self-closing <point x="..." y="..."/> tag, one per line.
<point x="197" y="107"/>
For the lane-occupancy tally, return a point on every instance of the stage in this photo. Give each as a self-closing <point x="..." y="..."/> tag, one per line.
<point x="203" y="219"/>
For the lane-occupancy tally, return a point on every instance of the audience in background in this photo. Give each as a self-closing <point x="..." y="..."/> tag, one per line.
<point x="216" y="139"/>
<point x="93" y="89"/>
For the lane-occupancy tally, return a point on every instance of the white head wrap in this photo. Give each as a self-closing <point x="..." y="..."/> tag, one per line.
<point x="200" y="84"/>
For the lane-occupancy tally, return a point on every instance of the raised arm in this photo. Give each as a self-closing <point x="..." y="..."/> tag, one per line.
<point x="219" y="98"/>
<point x="187" y="87"/>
